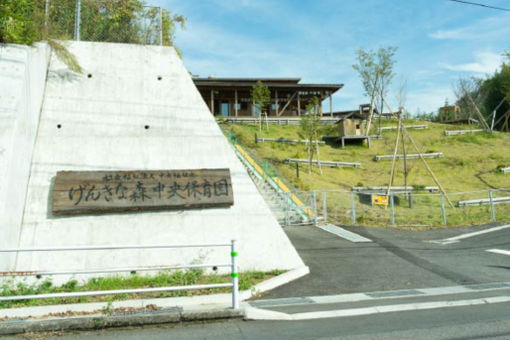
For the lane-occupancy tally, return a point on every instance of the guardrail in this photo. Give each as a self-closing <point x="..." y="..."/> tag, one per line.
<point x="233" y="265"/>
<point x="461" y="132"/>
<point x="410" y="207"/>
<point x="285" y="140"/>
<point x="416" y="127"/>
<point x="409" y="156"/>
<point x="332" y="164"/>
<point x="505" y="170"/>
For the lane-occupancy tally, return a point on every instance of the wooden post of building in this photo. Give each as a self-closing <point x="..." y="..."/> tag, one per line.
<point x="330" y="105"/>
<point x="212" y="102"/>
<point x="298" y="104"/>
<point x="320" y="103"/>
<point x="235" y="107"/>
<point x="276" y="101"/>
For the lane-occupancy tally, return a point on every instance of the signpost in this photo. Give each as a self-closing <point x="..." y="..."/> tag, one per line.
<point x="96" y="192"/>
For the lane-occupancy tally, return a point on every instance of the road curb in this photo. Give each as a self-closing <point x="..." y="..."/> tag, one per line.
<point x="116" y="320"/>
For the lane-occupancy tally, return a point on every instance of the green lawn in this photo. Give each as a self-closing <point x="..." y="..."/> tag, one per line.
<point x="163" y="279"/>
<point x="470" y="163"/>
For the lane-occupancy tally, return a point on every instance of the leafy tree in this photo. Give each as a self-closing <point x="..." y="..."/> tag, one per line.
<point x="125" y="21"/>
<point x="261" y="97"/>
<point x="376" y="72"/>
<point x="309" y="127"/>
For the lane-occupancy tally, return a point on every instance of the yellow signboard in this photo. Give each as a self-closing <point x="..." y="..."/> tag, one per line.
<point x="380" y="200"/>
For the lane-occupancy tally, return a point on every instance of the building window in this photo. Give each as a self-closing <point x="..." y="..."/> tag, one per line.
<point x="358" y="126"/>
<point x="274" y="107"/>
<point x="237" y="106"/>
<point x="244" y="106"/>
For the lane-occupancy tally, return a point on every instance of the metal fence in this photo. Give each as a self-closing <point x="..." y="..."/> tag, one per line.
<point x="234" y="284"/>
<point x="123" y="21"/>
<point x="408" y="209"/>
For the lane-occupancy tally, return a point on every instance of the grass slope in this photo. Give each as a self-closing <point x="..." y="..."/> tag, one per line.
<point x="469" y="168"/>
<point x="470" y="161"/>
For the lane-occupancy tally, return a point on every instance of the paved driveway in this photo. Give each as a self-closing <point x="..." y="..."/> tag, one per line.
<point x="396" y="259"/>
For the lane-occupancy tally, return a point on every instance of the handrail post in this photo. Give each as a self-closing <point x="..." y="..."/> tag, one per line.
<point x="353" y="208"/>
<point x="77" y="20"/>
<point x="324" y="207"/>
<point x="443" y="209"/>
<point x="493" y="212"/>
<point x="392" y="210"/>
<point x="314" y="207"/>
<point x="235" y="276"/>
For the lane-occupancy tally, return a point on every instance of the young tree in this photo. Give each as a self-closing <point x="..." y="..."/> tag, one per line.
<point x="309" y="127"/>
<point x="376" y="72"/>
<point x="261" y="96"/>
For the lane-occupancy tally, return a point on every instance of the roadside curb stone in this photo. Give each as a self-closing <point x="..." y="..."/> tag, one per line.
<point x="174" y="315"/>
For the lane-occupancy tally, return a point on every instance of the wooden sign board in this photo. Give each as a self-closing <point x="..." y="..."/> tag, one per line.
<point x="380" y="200"/>
<point x="93" y="192"/>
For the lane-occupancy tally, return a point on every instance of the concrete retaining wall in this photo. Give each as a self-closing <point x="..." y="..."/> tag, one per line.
<point x="97" y="121"/>
<point x="22" y="81"/>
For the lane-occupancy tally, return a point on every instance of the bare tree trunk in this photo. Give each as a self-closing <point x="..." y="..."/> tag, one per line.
<point x="318" y="160"/>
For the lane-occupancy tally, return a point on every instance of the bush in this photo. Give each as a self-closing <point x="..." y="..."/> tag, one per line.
<point x="17" y="24"/>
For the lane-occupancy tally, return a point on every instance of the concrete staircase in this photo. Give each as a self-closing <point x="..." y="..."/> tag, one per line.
<point x="285" y="212"/>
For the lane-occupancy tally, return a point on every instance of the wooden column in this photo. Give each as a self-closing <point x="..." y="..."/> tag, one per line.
<point x="298" y="104"/>
<point x="320" y="105"/>
<point x="276" y="101"/>
<point x="212" y="102"/>
<point x="235" y="108"/>
<point x="330" y="105"/>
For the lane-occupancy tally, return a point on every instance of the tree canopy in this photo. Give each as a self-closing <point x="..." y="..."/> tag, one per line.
<point x="125" y="21"/>
<point x="489" y="93"/>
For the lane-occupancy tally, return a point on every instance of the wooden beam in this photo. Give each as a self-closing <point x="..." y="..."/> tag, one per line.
<point x="212" y="102"/>
<point x="330" y="104"/>
<point x="235" y="108"/>
<point x="298" y="104"/>
<point x="287" y="104"/>
<point x="276" y="102"/>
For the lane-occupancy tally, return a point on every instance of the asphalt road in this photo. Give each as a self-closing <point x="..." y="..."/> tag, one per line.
<point x="396" y="259"/>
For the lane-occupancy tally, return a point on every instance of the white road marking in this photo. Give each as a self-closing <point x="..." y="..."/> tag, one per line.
<point x="345" y="234"/>
<point x="463" y="236"/>
<point x="397" y="308"/>
<point x="391" y="294"/>
<point x="499" y="251"/>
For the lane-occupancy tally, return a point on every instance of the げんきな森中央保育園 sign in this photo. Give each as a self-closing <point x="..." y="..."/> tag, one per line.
<point x="92" y="192"/>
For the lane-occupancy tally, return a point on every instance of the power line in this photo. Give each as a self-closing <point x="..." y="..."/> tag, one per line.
<point x="482" y="5"/>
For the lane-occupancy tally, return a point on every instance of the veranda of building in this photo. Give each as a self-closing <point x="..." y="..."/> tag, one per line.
<point x="231" y="97"/>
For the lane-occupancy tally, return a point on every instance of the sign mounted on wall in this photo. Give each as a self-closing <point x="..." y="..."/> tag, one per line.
<point x="94" y="192"/>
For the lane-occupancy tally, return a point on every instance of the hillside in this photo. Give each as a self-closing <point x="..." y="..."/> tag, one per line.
<point x="468" y="170"/>
<point x="470" y="162"/>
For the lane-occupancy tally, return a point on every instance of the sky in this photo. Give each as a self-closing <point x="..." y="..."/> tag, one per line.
<point x="438" y="42"/>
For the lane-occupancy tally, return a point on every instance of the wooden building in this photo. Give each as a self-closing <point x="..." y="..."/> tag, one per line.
<point x="353" y="126"/>
<point x="231" y="97"/>
<point x="449" y="113"/>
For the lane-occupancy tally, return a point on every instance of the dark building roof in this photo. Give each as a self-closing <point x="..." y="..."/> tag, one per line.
<point x="284" y="83"/>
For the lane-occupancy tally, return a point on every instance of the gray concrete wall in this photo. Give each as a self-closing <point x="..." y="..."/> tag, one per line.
<point x="102" y="120"/>
<point x="22" y="80"/>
